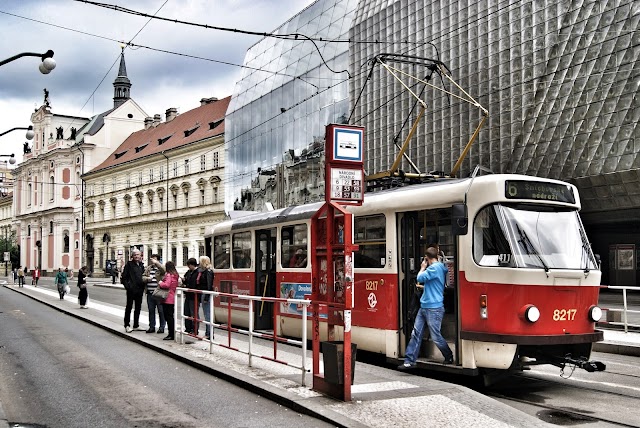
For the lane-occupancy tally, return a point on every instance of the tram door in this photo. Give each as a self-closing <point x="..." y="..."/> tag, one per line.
<point x="418" y="231"/>
<point x="410" y="264"/>
<point x="265" y="266"/>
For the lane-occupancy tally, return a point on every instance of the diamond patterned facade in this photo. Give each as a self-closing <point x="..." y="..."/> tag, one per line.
<point x="559" y="78"/>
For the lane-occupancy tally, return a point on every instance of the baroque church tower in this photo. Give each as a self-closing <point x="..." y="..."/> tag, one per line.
<point x="122" y="84"/>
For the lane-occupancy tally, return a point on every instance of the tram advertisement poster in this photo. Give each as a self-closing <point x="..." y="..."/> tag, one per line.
<point x="295" y="290"/>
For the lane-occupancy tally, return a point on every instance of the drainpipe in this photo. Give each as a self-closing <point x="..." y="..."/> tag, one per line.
<point x="166" y="200"/>
<point x="83" y="261"/>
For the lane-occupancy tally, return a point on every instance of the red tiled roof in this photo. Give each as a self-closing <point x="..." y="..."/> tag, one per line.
<point x="193" y="125"/>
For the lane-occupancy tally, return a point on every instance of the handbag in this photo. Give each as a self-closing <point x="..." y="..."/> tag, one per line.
<point x="160" y="293"/>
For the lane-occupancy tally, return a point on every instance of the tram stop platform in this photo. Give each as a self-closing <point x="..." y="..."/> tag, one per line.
<point x="381" y="397"/>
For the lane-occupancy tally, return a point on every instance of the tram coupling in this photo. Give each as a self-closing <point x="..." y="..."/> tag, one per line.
<point x="583" y="363"/>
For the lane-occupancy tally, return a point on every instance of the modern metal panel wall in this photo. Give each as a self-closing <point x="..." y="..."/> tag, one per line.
<point x="560" y="80"/>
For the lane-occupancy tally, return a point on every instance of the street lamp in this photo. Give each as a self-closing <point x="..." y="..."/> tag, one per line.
<point x="47" y="64"/>
<point x="12" y="158"/>
<point x="29" y="130"/>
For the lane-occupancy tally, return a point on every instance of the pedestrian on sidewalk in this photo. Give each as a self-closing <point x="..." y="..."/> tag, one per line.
<point x="61" y="281"/>
<point x="204" y="282"/>
<point x="432" y="275"/>
<point x="20" y="277"/>
<point x="83" y="294"/>
<point x="190" y="311"/>
<point x="151" y="276"/>
<point x="15" y="274"/>
<point x="114" y="273"/>
<point x="132" y="280"/>
<point x="35" y="276"/>
<point x="169" y="281"/>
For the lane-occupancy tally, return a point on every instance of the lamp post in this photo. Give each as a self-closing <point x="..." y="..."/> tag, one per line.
<point x="29" y="130"/>
<point x="12" y="158"/>
<point x="6" y="249"/>
<point x="47" y="64"/>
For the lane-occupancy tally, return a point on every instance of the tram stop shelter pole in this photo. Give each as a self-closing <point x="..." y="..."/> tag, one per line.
<point x="332" y="253"/>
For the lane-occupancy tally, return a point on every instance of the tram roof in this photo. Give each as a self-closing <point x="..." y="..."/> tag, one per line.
<point x="440" y="193"/>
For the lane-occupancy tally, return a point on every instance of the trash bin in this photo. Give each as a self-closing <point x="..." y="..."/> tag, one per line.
<point x="333" y="358"/>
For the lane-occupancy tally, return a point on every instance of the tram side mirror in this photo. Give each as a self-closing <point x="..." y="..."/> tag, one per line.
<point x="598" y="261"/>
<point x="459" y="220"/>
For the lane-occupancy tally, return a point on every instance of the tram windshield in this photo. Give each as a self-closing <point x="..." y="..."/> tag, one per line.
<point x="531" y="237"/>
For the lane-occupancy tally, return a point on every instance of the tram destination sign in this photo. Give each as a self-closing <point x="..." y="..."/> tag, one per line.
<point x="346" y="184"/>
<point x="539" y="190"/>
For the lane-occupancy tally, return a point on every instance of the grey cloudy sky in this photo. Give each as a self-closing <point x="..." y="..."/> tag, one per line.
<point x="85" y="39"/>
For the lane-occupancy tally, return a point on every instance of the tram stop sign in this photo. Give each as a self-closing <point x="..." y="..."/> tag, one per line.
<point x="344" y="174"/>
<point x="7" y="256"/>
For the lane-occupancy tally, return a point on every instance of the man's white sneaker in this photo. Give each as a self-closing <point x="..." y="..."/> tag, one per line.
<point x="128" y="329"/>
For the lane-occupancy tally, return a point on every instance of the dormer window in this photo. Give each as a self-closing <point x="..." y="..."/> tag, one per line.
<point x="119" y="155"/>
<point x="191" y="131"/>
<point x="164" y="139"/>
<point x="140" y="148"/>
<point x="215" y="123"/>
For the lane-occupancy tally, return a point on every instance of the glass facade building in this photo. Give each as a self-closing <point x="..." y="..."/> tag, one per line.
<point x="289" y="90"/>
<point x="558" y="78"/>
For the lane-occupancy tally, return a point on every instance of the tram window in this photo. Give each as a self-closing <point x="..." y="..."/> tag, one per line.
<point x="370" y="235"/>
<point x="242" y="250"/>
<point x="490" y="247"/>
<point x="221" y="251"/>
<point x="294" y="246"/>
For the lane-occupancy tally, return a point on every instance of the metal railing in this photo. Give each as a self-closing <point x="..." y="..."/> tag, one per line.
<point x="625" y="308"/>
<point x="180" y="319"/>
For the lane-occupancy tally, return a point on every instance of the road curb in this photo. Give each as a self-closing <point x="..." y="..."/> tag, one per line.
<point x="616" y="348"/>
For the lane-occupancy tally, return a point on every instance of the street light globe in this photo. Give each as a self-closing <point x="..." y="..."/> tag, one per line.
<point x="12" y="160"/>
<point x="47" y="65"/>
<point x="30" y="133"/>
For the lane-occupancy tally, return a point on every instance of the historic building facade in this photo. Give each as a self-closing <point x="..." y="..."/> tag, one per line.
<point x="48" y="189"/>
<point x="159" y="189"/>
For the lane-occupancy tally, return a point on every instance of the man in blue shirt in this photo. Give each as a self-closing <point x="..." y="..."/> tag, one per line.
<point x="432" y="274"/>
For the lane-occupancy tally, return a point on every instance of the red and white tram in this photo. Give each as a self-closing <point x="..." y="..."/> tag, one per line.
<point x="523" y="284"/>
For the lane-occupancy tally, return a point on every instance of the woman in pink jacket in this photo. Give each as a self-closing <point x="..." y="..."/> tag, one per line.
<point x="170" y="281"/>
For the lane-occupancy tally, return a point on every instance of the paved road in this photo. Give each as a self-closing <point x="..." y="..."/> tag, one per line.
<point x="58" y="371"/>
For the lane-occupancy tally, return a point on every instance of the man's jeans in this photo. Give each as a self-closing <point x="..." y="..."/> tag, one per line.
<point x="152" y="304"/>
<point x="433" y="319"/>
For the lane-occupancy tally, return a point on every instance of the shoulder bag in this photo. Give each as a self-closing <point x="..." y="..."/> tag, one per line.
<point x="160" y="293"/>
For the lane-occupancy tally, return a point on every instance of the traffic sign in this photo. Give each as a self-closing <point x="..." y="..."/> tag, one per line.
<point x="7" y="256"/>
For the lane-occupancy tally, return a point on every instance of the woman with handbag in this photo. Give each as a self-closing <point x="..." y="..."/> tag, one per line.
<point x="61" y="282"/>
<point x="83" y="294"/>
<point x="170" y="283"/>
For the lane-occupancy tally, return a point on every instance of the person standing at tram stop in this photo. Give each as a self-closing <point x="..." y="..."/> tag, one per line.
<point x="204" y="282"/>
<point x="169" y="281"/>
<point x="35" y="276"/>
<point x="83" y="294"/>
<point x="61" y="281"/>
<point x="432" y="274"/>
<point x="189" y="281"/>
<point x="132" y="280"/>
<point x="151" y="276"/>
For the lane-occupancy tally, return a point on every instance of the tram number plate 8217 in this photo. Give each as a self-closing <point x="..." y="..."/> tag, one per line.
<point x="564" y="314"/>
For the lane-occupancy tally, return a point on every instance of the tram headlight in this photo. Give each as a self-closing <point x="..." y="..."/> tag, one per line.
<point x="530" y="313"/>
<point x="595" y="313"/>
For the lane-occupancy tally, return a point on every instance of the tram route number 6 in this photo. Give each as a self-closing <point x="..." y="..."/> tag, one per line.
<point x="564" y="314"/>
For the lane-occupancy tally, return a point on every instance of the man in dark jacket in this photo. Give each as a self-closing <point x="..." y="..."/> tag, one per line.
<point x="189" y="281"/>
<point x="132" y="280"/>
